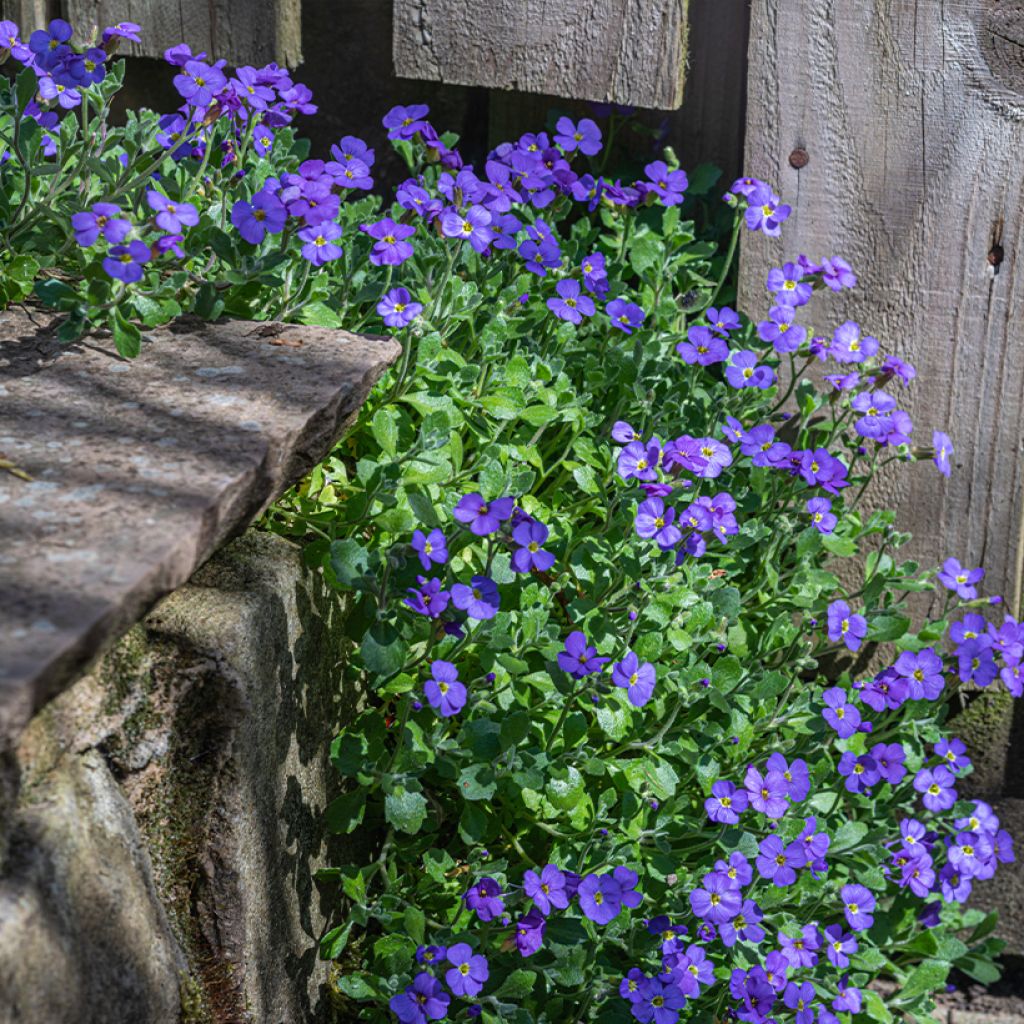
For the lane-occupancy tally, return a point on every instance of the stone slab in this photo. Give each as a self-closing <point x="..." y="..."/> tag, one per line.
<point x="139" y="470"/>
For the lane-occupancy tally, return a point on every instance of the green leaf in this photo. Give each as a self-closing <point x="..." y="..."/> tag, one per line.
<point x="349" y="560"/>
<point x="566" y="791"/>
<point x="383" y="650"/>
<point x="517" y="985"/>
<point x="478" y="782"/>
<point x="726" y="673"/>
<point x="849" y="834"/>
<point x="25" y="86"/>
<point x="384" y="427"/>
<point x="344" y="814"/>
<point x="356" y="986"/>
<point x="887" y="627"/>
<point x="926" y="978"/>
<point x="843" y="547"/>
<point x="127" y="338"/>
<point x="875" y="1008"/>
<point x="405" y="810"/>
<point x="980" y="968"/>
<point x="415" y="923"/>
<point x="334" y="942"/>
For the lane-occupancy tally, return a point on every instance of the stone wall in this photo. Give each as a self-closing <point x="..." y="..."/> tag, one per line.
<point x="163" y="846"/>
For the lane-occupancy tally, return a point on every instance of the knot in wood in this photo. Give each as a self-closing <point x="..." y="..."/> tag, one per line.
<point x="1001" y="36"/>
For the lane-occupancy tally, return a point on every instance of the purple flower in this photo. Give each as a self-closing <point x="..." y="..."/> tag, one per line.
<point x="717" y="901"/>
<point x="744" y="372"/>
<point x="820" y="469"/>
<point x="485" y="900"/>
<point x="482" y="517"/>
<point x="547" y="890"/>
<point x="702" y="346"/>
<point x="860" y="773"/>
<point x="423" y="1000"/>
<point x="600" y="898"/>
<point x="800" y="999"/>
<point x="125" y="262"/>
<point x="716" y="457"/>
<point x="443" y="690"/>
<point x="405" y="122"/>
<point x="46" y="43"/>
<point x="390" y="247"/>
<point x="726" y="803"/>
<point x="199" y="83"/>
<point x="778" y="862"/>
<point x="923" y="672"/>
<point x="319" y="238"/>
<point x="953" y="752"/>
<point x="839" y="945"/>
<point x="837" y="274"/>
<point x="266" y="213"/>
<point x="626" y="316"/>
<point x="765" y="211"/>
<point x="849" y="998"/>
<point x="781" y="331"/>
<point x="530" y="555"/>
<point x="595" y="275"/>
<point x="659" y="1002"/>
<point x="653" y="521"/>
<point x="171" y="216"/>
<point x="841" y="715"/>
<point x="635" y="678"/>
<point x="936" y="788"/>
<point x="667" y="185"/>
<point x="976" y="663"/>
<point x="639" y="461"/>
<point x="397" y="309"/>
<point x="889" y="758"/>
<point x="723" y="320"/>
<point x="820" y="510"/>
<point x="479" y="601"/>
<point x="101" y="219"/>
<point x="953" y="576"/>
<point x="744" y="926"/>
<point x="849" y="347"/>
<point x="579" y="659"/>
<point x="786" y="283"/>
<point x="571" y="304"/>
<point x="472" y="224"/>
<point x="943" y="449"/>
<point x="760" y="444"/>
<point x="767" y="793"/>
<point x="468" y="972"/>
<point x="801" y="951"/>
<point x="123" y="30"/>
<point x="845" y="626"/>
<point x="429" y="599"/>
<point x="796" y="775"/>
<point x="430" y="954"/>
<point x="584" y="136"/>
<point x="530" y="932"/>
<point x="858" y="903"/>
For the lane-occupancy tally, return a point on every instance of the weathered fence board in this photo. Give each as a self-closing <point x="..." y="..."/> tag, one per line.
<point x="912" y="115"/>
<point x="240" y="31"/>
<point x="622" y="51"/>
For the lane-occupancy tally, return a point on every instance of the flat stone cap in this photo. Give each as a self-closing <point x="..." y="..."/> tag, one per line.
<point x="140" y="470"/>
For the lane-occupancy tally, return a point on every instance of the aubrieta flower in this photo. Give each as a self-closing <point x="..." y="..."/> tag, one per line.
<point x="801" y="951"/>
<point x="484" y="899"/>
<point x="859" y="773"/>
<point x="602" y="897"/>
<point x="726" y="803"/>
<point x="103" y="219"/>
<point x="430" y="954"/>
<point x="443" y="690"/>
<point x="943" y="449"/>
<point x="839" y="713"/>
<point x="530" y="932"/>
<point x="703" y="346"/>
<point x="659" y="1002"/>
<point x="716" y="901"/>
<point x="822" y="517"/>
<point x="779" y="862"/>
<point x="923" y="672"/>
<point x="780" y="329"/>
<point x="625" y="316"/>
<point x="579" y="659"/>
<point x="743" y="371"/>
<point x="429" y="598"/>
<point x="765" y="211"/>
<point x="479" y="600"/>
<point x="858" y="904"/>
<point x="655" y="522"/>
<point x="848" y="346"/>
<point x="126" y="262"/>
<point x="265" y="214"/>
<point x="571" y="304"/>
<point x="667" y="185"/>
<point x="530" y="555"/>
<point x="199" y="83"/>
<point x="547" y="890"/>
<point x="405" y="122"/>
<point x="595" y="274"/>
<point x="390" y="247"/>
<point x="397" y="308"/>
<point x="837" y="274"/>
<point x="953" y="576"/>
<point x="319" y="247"/>
<point x="483" y="517"/>
<point x="468" y="972"/>
<point x="425" y="999"/>
<point x="584" y="136"/>
<point x="473" y="224"/>
<point x="936" y="786"/>
<point x="800" y="999"/>
<point x="639" y="461"/>
<point x="766" y="792"/>
<point x="845" y="626"/>
<point x="796" y="775"/>
<point x="976" y="663"/>
<point x="171" y="216"/>
<point x="839" y="945"/>
<point x="787" y="285"/>
<point x="636" y="678"/>
<point x="953" y="752"/>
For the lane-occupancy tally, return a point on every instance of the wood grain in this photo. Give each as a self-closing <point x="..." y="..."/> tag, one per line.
<point x="240" y="31"/>
<point x="912" y="114"/>
<point x="621" y="51"/>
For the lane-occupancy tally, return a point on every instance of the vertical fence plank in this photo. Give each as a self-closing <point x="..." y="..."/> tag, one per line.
<point x="912" y="115"/>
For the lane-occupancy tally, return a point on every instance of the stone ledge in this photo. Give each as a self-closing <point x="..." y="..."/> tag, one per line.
<point x="140" y="471"/>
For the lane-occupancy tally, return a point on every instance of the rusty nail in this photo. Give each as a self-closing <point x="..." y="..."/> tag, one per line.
<point x="799" y="158"/>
